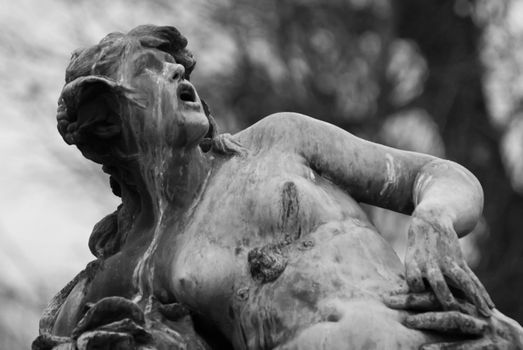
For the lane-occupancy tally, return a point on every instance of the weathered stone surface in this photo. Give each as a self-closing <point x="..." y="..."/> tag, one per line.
<point x="255" y="240"/>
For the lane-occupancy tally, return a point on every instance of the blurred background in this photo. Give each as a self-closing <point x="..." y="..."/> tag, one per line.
<point x="435" y="76"/>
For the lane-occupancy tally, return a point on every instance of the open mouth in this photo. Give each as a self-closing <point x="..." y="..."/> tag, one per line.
<point x="186" y="92"/>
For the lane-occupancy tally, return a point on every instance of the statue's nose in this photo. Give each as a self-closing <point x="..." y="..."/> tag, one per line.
<point x="175" y="71"/>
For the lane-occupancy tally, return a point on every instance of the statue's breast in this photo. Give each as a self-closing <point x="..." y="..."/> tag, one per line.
<point x="250" y="202"/>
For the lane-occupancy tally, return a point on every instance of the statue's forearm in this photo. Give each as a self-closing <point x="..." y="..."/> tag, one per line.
<point x="406" y="182"/>
<point x="448" y="190"/>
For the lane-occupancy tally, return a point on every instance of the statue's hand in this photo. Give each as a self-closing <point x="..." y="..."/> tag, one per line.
<point x="434" y="254"/>
<point x="111" y="323"/>
<point x="470" y="330"/>
<point x="491" y="333"/>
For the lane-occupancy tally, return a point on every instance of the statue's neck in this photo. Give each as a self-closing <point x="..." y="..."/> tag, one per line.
<point x="172" y="178"/>
<point x="164" y="180"/>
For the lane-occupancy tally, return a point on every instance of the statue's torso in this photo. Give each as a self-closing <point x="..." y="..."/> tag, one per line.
<point x="324" y="245"/>
<point x="326" y="252"/>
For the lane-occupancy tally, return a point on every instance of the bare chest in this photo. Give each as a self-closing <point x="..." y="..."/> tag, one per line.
<point x="250" y="203"/>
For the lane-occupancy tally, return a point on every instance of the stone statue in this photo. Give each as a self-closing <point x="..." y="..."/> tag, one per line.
<point x="255" y="240"/>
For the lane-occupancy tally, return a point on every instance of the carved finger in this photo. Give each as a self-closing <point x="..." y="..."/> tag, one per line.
<point x="414" y="277"/>
<point x="95" y="340"/>
<point x="127" y="326"/>
<point x="480" y="344"/>
<point x="480" y="286"/>
<point x="48" y="341"/>
<point x="420" y="302"/>
<point x="440" y="288"/>
<point x="448" y="322"/>
<point x="464" y="282"/>
<point x="108" y="310"/>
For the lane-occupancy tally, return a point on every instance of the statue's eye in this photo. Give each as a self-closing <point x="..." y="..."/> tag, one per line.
<point x="147" y="62"/>
<point x="169" y="58"/>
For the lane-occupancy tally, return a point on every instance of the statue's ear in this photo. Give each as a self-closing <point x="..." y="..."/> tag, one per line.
<point x="89" y="114"/>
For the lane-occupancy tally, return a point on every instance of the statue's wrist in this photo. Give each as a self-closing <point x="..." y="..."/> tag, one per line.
<point x="438" y="218"/>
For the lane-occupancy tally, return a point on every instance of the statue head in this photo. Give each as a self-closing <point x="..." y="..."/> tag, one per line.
<point x="130" y="93"/>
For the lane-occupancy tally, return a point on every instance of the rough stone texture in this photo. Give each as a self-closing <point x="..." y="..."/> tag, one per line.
<point x="255" y="240"/>
<point x="267" y="264"/>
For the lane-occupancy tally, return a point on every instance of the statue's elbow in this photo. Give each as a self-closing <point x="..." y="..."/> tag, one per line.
<point x="473" y="200"/>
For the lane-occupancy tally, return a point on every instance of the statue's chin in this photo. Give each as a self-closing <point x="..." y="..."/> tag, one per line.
<point x="196" y="126"/>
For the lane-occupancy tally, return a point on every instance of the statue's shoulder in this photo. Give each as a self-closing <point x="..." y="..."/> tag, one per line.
<point x="284" y="129"/>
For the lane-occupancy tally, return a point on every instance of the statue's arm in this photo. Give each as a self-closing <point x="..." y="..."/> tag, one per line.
<point x="444" y="199"/>
<point x="406" y="182"/>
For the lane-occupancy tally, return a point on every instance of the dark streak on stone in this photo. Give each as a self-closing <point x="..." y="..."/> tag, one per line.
<point x="238" y="250"/>
<point x="290" y="224"/>
<point x="231" y="312"/>
<point x="268" y="262"/>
